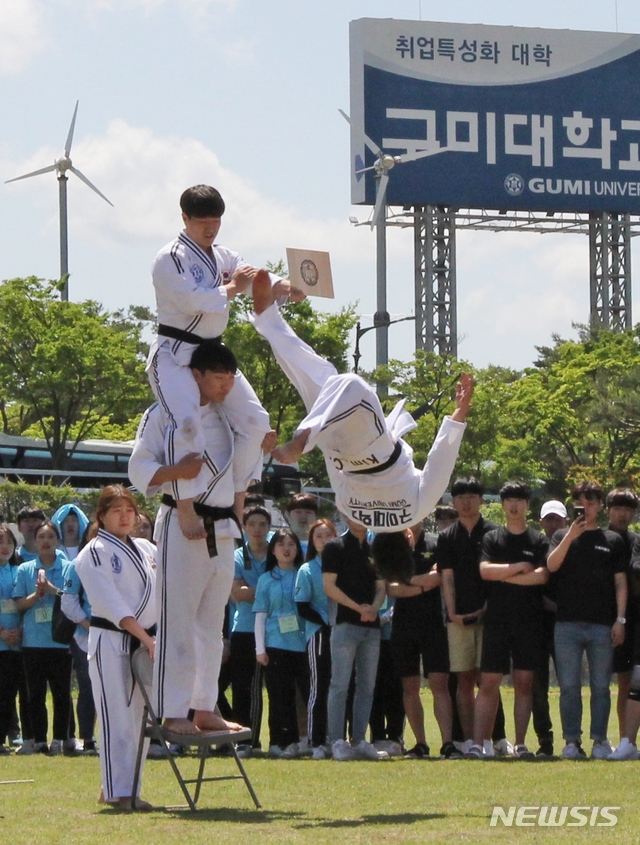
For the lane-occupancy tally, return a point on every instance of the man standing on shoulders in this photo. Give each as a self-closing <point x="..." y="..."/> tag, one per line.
<point x="591" y="596"/>
<point x="513" y="562"/>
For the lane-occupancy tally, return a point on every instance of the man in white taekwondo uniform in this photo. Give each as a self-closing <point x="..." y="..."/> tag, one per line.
<point x="195" y="575"/>
<point x="194" y="281"/>
<point x="370" y="468"/>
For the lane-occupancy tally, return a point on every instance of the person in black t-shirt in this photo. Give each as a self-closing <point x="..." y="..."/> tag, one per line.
<point x="419" y="632"/>
<point x="513" y="563"/>
<point x="464" y="591"/>
<point x="622" y="507"/>
<point x="591" y="595"/>
<point x="350" y="580"/>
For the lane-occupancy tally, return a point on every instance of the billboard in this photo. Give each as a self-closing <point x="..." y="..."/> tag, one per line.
<point x="515" y="118"/>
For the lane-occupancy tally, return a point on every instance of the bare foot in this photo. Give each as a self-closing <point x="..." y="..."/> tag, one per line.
<point x="209" y="722"/>
<point x="124" y="803"/>
<point x="290" y="452"/>
<point x="262" y="292"/>
<point x="190" y="523"/>
<point x="180" y="726"/>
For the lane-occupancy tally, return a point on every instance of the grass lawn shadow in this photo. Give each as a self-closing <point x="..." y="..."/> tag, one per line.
<point x="377" y="819"/>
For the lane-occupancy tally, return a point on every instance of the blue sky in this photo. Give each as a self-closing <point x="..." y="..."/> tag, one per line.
<point x="244" y="95"/>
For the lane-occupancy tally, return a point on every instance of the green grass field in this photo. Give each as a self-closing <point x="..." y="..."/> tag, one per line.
<point x="305" y="801"/>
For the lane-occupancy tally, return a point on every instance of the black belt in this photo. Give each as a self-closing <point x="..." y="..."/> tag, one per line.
<point x="210" y="515"/>
<point x="180" y="334"/>
<point x="106" y="625"/>
<point x="388" y="463"/>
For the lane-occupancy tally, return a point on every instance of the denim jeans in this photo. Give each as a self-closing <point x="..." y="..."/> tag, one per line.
<point x="352" y="644"/>
<point x="572" y="639"/>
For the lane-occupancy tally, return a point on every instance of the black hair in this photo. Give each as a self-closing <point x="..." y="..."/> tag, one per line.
<point x="443" y="512"/>
<point x="393" y="557"/>
<point x="466" y="485"/>
<point x="214" y="356"/>
<point x="280" y="534"/>
<point x="28" y="512"/>
<point x="6" y="530"/>
<point x="202" y="201"/>
<point x="588" y="489"/>
<point x="622" y="497"/>
<point x="302" y="500"/>
<point x="256" y="510"/>
<point x="48" y="524"/>
<point x="253" y="499"/>
<point x="515" y="490"/>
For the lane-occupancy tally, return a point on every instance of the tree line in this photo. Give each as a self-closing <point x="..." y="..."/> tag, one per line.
<point x="73" y="370"/>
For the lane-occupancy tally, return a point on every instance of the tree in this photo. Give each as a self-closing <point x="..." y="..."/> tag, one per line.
<point x="67" y="368"/>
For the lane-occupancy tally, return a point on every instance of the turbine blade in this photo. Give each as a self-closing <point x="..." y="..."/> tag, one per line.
<point x="375" y="149"/>
<point x="379" y="207"/>
<point x="48" y="169"/>
<point x="67" y="146"/>
<point x="364" y="169"/>
<point x="423" y="154"/>
<point x="88" y="183"/>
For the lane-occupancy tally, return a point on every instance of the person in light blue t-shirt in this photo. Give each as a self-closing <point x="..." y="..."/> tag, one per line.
<point x="246" y="673"/>
<point x="45" y="661"/>
<point x="280" y="641"/>
<point x="313" y="606"/>
<point x="11" y="668"/>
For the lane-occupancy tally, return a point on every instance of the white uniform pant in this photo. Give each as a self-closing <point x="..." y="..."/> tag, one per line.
<point x="192" y="591"/>
<point x="119" y="720"/>
<point x="175" y="388"/>
<point x="344" y="413"/>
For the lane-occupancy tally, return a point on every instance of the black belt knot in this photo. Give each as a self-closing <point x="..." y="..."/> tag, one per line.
<point x="388" y="463"/>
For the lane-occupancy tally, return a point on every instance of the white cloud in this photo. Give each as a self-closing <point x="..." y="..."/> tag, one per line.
<point x="21" y="34"/>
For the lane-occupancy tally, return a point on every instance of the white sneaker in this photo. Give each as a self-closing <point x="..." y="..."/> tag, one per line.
<point x="393" y="749"/>
<point x="626" y="750"/>
<point x="464" y="746"/>
<point x="72" y="746"/>
<point x="276" y="751"/>
<point x="503" y="748"/>
<point x="291" y="751"/>
<point x="56" y="747"/>
<point x="475" y="752"/>
<point x="342" y="750"/>
<point x="319" y="753"/>
<point x="489" y="748"/>
<point x="365" y="751"/>
<point x="304" y="748"/>
<point x="573" y="751"/>
<point x="601" y="749"/>
<point x="156" y="752"/>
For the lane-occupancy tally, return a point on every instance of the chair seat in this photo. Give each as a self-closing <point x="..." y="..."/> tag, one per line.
<point x="199" y="739"/>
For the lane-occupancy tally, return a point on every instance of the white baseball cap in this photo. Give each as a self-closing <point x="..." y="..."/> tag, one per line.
<point x="555" y="507"/>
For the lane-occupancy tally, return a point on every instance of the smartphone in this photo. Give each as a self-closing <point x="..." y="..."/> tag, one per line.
<point x="578" y="511"/>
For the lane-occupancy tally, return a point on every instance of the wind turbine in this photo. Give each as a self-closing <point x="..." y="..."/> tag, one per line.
<point x="61" y="166"/>
<point x="383" y="164"/>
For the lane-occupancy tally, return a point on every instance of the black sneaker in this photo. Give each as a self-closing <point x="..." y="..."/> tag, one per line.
<point x="546" y="748"/>
<point x="450" y="752"/>
<point x="418" y="752"/>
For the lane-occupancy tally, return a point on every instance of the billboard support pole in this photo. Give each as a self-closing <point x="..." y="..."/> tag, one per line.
<point x="435" y="279"/>
<point x="610" y="270"/>
<point x="381" y="317"/>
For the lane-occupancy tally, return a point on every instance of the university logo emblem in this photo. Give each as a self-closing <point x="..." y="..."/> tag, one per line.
<point x="514" y="184"/>
<point x="197" y="273"/>
<point x="116" y="564"/>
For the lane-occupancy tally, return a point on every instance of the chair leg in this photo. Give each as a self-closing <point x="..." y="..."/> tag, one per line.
<point x="245" y="776"/>
<point x="203" y="752"/>
<point x="136" y="775"/>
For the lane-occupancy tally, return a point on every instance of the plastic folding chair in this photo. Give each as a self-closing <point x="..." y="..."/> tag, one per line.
<point x="142" y="667"/>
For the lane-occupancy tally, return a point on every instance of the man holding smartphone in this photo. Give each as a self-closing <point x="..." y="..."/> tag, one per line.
<point x="591" y="595"/>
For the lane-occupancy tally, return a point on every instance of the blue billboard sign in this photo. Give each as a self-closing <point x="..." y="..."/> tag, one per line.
<point x="512" y="118"/>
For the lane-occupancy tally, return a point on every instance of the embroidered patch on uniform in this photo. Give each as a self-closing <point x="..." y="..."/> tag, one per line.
<point x="116" y="564"/>
<point x="197" y="273"/>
